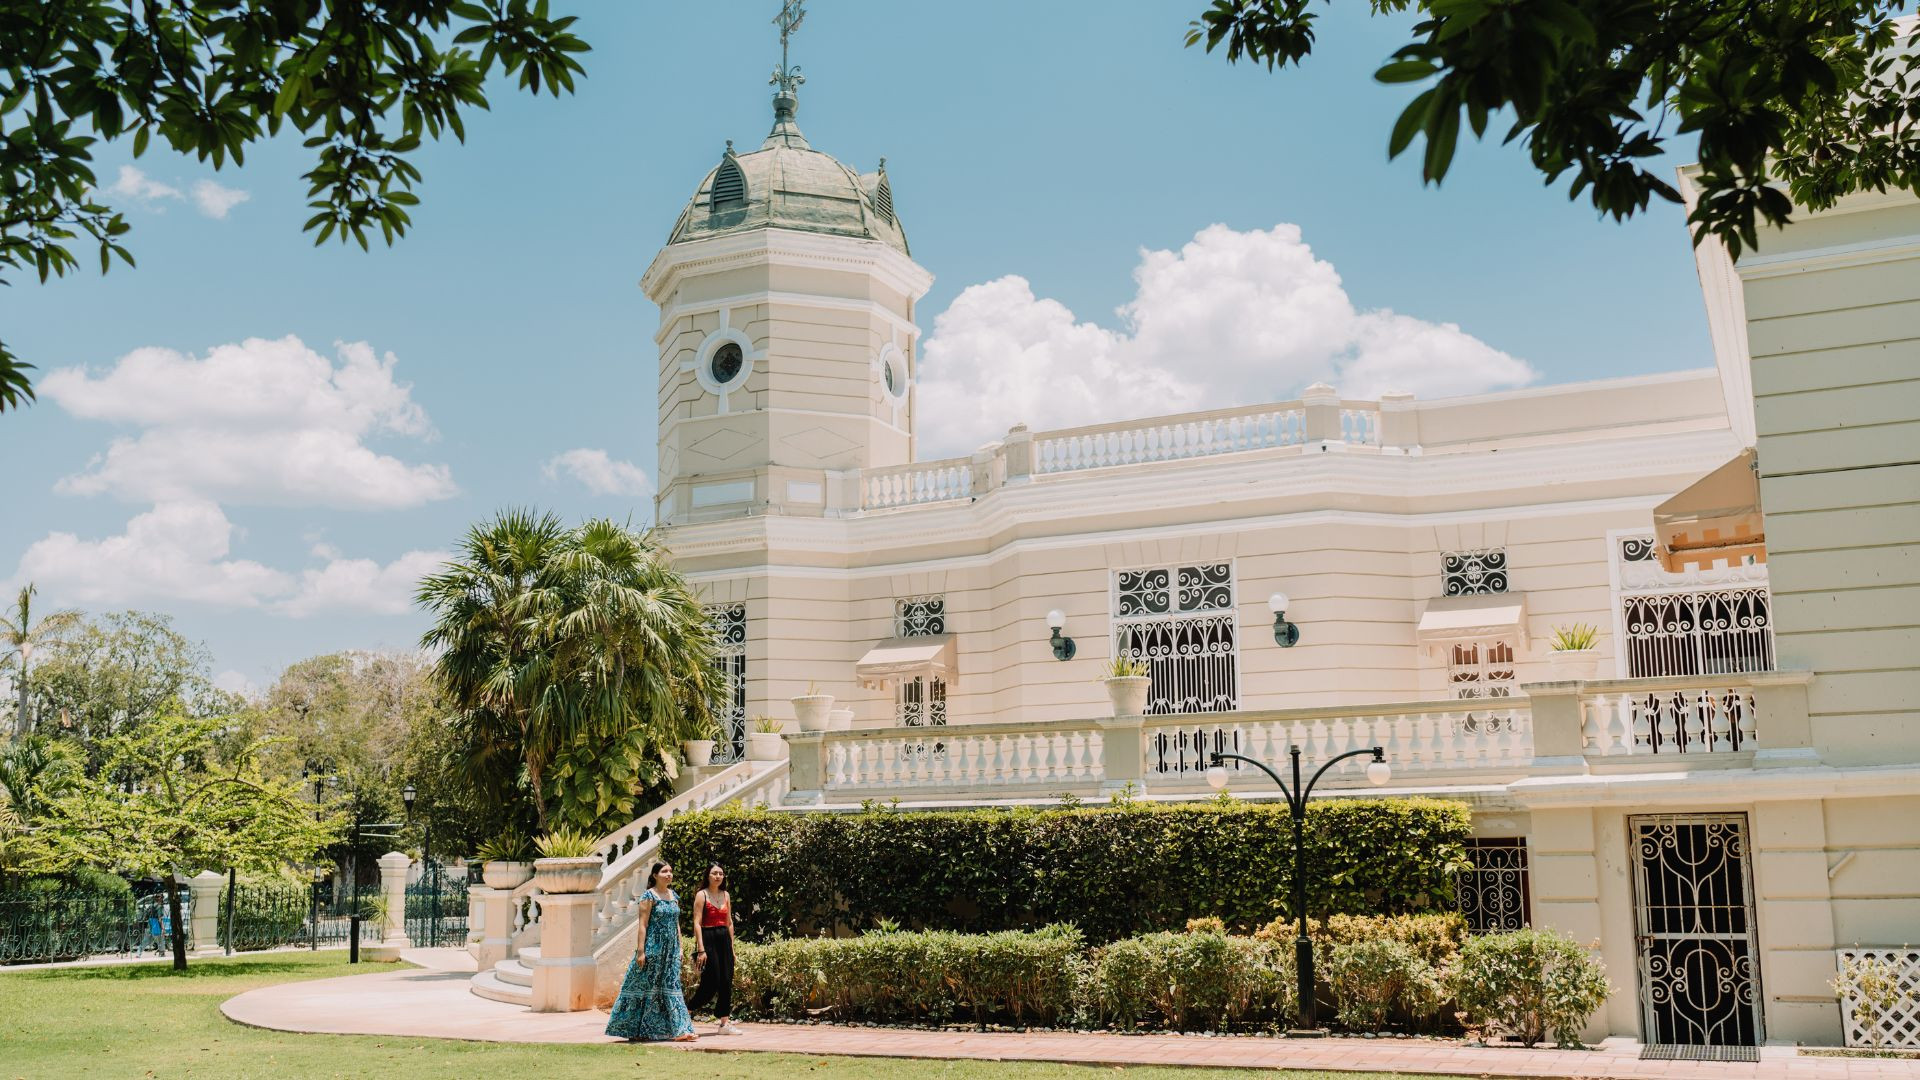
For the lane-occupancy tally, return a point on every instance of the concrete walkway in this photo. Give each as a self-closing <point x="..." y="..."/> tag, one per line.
<point x="433" y="1001"/>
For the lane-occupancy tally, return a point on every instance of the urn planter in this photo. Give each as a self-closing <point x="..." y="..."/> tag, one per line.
<point x="699" y="752"/>
<point x="505" y="873"/>
<point x="1568" y="665"/>
<point x="811" y="711"/>
<point x="580" y="875"/>
<point x="765" y="746"/>
<point x="840" y="720"/>
<point x="1129" y="694"/>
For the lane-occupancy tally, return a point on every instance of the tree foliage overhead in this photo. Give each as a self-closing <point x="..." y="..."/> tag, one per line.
<point x="1811" y="93"/>
<point x="365" y="83"/>
<point x="574" y="660"/>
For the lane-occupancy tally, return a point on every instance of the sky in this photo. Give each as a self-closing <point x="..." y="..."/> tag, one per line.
<point x="271" y="441"/>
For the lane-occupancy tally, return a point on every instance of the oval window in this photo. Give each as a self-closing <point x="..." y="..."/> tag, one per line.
<point x="726" y="362"/>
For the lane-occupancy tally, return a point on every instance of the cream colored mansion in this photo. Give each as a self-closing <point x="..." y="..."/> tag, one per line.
<point x="1724" y="793"/>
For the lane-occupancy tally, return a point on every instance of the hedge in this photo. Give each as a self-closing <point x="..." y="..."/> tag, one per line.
<point x="1111" y="871"/>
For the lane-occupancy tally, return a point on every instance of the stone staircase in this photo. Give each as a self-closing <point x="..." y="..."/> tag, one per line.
<point x="516" y="977"/>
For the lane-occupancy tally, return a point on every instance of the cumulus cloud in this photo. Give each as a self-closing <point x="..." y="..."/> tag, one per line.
<point x="259" y="422"/>
<point x="182" y="552"/>
<point x="600" y="473"/>
<point x="1231" y="318"/>
<point x="214" y="200"/>
<point x="135" y="184"/>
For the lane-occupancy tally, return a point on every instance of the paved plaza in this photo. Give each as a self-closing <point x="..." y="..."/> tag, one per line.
<point x="432" y="1001"/>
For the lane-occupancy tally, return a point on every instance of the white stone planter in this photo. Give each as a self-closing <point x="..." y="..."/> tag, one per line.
<point x="699" y="752"/>
<point x="580" y="875"/>
<point x="765" y="746"/>
<point x="840" y="720"/>
<point x="811" y="710"/>
<point x="1129" y="694"/>
<point x="1569" y="665"/>
<point x="502" y="874"/>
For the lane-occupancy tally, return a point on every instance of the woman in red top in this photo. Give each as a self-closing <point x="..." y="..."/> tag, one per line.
<point x="713" y="949"/>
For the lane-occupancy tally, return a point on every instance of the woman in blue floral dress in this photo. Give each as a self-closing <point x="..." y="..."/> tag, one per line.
<point x="650" y="1007"/>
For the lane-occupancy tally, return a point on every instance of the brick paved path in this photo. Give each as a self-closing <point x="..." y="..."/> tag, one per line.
<point x="437" y="1004"/>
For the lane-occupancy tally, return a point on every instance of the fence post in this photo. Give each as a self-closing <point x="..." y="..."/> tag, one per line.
<point x="564" y="972"/>
<point x="805" y="751"/>
<point x="393" y="888"/>
<point x="1320" y="405"/>
<point x="203" y="890"/>
<point x="1122" y="755"/>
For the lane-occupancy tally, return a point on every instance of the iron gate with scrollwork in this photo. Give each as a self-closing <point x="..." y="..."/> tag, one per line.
<point x="436" y="915"/>
<point x="1494" y="895"/>
<point x="1699" y="977"/>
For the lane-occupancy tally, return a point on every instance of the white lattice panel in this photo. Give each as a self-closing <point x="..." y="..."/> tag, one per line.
<point x="1899" y="1027"/>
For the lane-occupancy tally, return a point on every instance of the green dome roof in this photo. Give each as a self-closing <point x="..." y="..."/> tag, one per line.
<point x="787" y="184"/>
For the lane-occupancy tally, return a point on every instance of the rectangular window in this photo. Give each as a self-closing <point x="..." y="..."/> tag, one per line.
<point x="1481" y="669"/>
<point x="1701" y="622"/>
<point x="921" y="701"/>
<point x="1475" y="571"/>
<point x="1494" y="894"/>
<point x="1180" y="620"/>
<point x="729" y="625"/>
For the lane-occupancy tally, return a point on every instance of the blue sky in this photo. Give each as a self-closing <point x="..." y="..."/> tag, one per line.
<point x="1053" y="141"/>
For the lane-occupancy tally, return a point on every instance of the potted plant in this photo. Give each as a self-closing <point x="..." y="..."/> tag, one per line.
<point x="699" y="749"/>
<point x="1575" y="652"/>
<point x="1127" y="682"/>
<point x="506" y="861"/>
<point x="568" y="862"/>
<point x="811" y="708"/>
<point x="764" y="742"/>
<point x="840" y="720"/>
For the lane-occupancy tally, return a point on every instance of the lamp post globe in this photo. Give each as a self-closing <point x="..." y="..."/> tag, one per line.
<point x="407" y="795"/>
<point x="1277" y="603"/>
<point x="1217" y="777"/>
<point x="1379" y="772"/>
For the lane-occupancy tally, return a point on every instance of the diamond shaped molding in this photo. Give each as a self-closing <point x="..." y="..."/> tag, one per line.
<point x="723" y="445"/>
<point x="818" y="442"/>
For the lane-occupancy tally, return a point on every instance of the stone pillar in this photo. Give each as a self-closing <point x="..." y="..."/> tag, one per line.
<point x="989" y="469"/>
<point x="1018" y="447"/>
<point x="806" y="766"/>
<point x="393" y="888"/>
<point x="843" y="492"/>
<point x="563" y="972"/>
<point x="1399" y="423"/>
<point x="1781" y="725"/>
<point x="1322" y="407"/>
<point x="1559" y="729"/>
<point x="203" y="927"/>
<point x="495" y="940"/>
<point x="1121" y="755"/>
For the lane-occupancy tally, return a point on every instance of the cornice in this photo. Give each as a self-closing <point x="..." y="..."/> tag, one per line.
<point x="783" y="247"/>
<point x="1706" y="787"/>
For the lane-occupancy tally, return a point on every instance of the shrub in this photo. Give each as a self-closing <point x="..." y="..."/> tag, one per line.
<point x="1435" y="938"/>
<point x="1191" y="981"/>
<point x="1529" y="984"/>
<point x="1112" y="871"/>
<point x="1372" y="978"/>
<point x="1870" y="990"/>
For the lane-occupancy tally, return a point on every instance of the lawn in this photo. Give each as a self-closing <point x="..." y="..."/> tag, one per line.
<point x="143" y="1021"/>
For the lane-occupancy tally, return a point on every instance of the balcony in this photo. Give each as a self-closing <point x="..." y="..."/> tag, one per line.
<point x="1611" y="726"/>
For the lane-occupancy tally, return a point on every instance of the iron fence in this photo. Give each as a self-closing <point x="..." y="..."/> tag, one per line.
<point x="437" y="908"/>
<point x="47" y="927"/>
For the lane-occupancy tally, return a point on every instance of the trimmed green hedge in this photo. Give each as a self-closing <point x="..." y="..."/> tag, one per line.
<point x="1112" y="872"/>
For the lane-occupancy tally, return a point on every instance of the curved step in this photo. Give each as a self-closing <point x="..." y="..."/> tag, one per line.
<point x="514" y="972"/>
<point x="489" y="985"/>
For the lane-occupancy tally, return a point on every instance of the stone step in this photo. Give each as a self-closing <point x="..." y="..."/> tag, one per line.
<point x="514" y="972"/>
<point x="489" y="985"/>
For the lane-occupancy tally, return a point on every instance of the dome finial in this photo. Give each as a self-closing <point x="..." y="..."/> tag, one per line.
<point x="786" y="80"/>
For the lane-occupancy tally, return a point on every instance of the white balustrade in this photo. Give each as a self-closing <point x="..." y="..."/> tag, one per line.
<point x="973" y="757"/>
<point x="920" y="482"/>
<point x="1669" y="716"/>
<point x="1418" y="737"/>
<point x="1360" y="426"/>
<point x="1169" y="438"/>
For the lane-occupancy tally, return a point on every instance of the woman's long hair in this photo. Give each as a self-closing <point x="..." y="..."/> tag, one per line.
<point x="716" y="868"/>
<point x="654" y="873"/>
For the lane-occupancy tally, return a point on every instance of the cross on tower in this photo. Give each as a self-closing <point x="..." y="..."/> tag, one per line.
<point x="792" y="12"/>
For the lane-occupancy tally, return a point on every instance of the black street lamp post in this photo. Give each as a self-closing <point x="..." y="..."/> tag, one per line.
<point x="1378" y="772"/>
<point x="407" y="796"/>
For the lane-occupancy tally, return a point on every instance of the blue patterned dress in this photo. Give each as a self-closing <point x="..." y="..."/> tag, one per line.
<point x="651" y="1007"/>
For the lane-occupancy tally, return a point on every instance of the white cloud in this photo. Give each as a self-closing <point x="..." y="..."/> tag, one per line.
<point x="599" y="473"/>
<point x="214" y="200"/>
<point x="138" y="186"/>
<point x="1231" y="318"/>
<point x="259" y="422"/>
<point x="181" y="552"/>
<point x="234" y="682"/>
<point x="363" y="585"/>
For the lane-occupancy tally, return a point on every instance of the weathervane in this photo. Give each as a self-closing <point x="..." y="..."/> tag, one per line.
<point x="791" y="13"/>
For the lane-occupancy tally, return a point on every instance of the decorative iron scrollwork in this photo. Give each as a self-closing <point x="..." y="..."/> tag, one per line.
<point x="1479" y="570"/>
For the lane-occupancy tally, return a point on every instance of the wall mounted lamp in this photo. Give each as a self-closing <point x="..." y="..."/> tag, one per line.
<point x="1063" y="647"/>
<point x="1285" y="634"/>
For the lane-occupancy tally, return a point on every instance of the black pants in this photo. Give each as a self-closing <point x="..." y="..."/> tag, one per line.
<point x="716" y="977"/>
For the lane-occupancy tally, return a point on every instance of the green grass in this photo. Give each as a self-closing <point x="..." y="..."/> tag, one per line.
<point x="143" y="1021"/>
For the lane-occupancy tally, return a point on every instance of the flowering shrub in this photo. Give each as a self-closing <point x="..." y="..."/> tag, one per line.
<point x="1529" y="984"/>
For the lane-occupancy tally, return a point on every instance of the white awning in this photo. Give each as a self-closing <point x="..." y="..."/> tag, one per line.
<point x="1479" y="617"/>
<point x="904" y="658"/>
<point x="1716" y="518"/>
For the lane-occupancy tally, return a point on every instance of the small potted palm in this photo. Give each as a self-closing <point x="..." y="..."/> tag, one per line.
<point x="764" y="742"/>
<point x="568" y="862"/>
<point x="506" y="861"/>
<point x="1575" y="652"/>
<point x="812" y="707"/>
<point x="1128" y="680"/>
<point x="699" y="749"/>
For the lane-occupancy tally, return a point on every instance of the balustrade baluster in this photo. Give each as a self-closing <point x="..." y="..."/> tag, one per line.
<point x="1719" y="723"/>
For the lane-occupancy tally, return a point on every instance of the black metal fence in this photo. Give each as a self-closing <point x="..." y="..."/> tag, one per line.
<point x="437" y="908"/>
<point x="54" y="926"/>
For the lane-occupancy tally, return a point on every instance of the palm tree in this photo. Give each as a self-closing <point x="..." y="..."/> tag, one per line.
<point x="21" y="635"/>
<point x="545" y="635"/>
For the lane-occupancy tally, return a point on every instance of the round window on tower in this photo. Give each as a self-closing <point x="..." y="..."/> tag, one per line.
<point x="725" y="365"/>
<point x="893" y="373"/>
